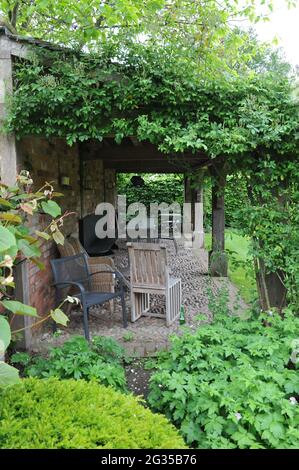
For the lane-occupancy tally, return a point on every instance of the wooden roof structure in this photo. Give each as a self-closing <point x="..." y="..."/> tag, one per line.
<point x="133" y="156"/>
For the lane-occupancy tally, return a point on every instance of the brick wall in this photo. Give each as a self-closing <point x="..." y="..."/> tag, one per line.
<point x="48" y="161"/>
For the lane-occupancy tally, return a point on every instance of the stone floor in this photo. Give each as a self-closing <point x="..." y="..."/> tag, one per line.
<point x="150" y="334"/>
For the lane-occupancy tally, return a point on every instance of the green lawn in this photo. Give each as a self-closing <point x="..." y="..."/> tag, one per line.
<point x="242" y="276"/>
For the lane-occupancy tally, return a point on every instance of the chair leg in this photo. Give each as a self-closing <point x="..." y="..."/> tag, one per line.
<point x="85" y="323"/>
<point x="124" y="310"/>
<point x="111" y="306"/>
<point x="133" y="307"/>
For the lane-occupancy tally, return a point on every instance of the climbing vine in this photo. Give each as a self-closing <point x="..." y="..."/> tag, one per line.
<point x="249" y="120"/>
<point x="147" y="94"/>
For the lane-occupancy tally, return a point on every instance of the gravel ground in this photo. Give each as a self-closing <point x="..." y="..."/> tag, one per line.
<point x="149" y="334"/>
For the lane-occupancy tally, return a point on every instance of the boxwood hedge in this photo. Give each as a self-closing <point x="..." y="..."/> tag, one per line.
<point x="69" y="414"/>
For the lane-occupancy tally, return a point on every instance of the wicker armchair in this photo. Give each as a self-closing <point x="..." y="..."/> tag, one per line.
<point x="99" y="282"/>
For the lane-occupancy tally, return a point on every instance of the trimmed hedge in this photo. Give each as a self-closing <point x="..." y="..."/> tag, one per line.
<point x="69" y="414"/>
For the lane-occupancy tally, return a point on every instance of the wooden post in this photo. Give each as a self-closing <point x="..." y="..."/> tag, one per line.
<point x="21" y="294"/>
<point x="8" y="154"/>
<point x="110" y="186"/>
<point x="217" y="257"/>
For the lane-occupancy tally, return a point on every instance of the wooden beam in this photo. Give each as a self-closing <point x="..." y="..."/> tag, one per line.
<point x="128" y="151"/>
<point x="217" y="258"/>
<point x="147" y="166"/>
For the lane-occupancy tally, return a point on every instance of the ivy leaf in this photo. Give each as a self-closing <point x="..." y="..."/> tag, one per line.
<point x="58" y="237"/>
<point x="5" y="334"/>
<point x="9" y="217"/>
<point x="5" y="203"/>
<point x="8" y="375"/>
<point x="28" y="249"/>
<point x="7" y="240"/>
<point x="52" y="208"/>
<point x="27" y="207"/>
<point x="59" y="317"/>
<point x="38" y="263"/>
<point x="18" y="308"/>
<point x="44" y="235"/>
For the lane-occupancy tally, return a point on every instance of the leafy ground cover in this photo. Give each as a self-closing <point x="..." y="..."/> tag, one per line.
<point x="101" y="360"/>
<point x="233" y="384"/>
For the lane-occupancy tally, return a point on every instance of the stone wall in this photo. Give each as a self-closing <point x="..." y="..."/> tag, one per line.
<point x="92" y="185"/>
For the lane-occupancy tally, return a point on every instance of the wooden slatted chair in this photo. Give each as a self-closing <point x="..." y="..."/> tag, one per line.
<point x="149" y="275"/>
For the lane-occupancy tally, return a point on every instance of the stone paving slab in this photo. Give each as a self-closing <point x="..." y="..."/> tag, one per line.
<point x="149" y="334"/>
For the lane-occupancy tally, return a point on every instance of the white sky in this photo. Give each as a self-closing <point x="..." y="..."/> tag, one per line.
<point x="283" y="24"/>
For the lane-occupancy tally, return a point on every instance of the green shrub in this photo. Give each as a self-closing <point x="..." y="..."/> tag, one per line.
<point x="233" y="384"/>
<point x="235" y="199"/>
<point x="157" y="188"/>
<point x="102" y="359"/>
<point x="51" y="414"/>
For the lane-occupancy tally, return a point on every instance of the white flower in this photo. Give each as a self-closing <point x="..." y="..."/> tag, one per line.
<point x="270" y="313"/>
<point x="238" y="416"/>
<point x="7" y="262"/>
<point x="72" y="300"/>
<point x="8" y="280"/>
<point x="293" y="401"/>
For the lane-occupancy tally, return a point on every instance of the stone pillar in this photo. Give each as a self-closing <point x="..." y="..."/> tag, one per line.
<point x="188" y="215"/>
<point x="199" y="237"/>
<point x="8" y="173"/>
<point x="218" y="263"/>
<point x="8" y="154"/>
<point x="194" y="196"/>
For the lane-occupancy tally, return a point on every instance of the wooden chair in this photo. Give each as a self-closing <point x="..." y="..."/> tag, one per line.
<point x="149" y="275"/>
<point x="99" y="282"/>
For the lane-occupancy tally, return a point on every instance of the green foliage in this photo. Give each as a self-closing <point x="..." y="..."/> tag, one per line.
<point x="235" y="197"/>
<point x="102" y="360"/>
<point x="68" y="414"/>
<point x="271" y="219"/>
<point x="93" y="96"/>
<point x="240" y="266"/>
<point x="17" y="243"/>
<point x="200" y="31"/>
<point x="128" y="336"/>
<point x="232" y="384"/>
<point x="249" y="119"/>
<point x="157" y="188"/>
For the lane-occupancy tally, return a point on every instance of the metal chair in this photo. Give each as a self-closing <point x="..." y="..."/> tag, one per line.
<point x="73" y="271"/>
<point x="100" y="282"/>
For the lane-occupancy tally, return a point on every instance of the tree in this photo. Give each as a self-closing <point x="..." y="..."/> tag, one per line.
<point x="196" y="24"/>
